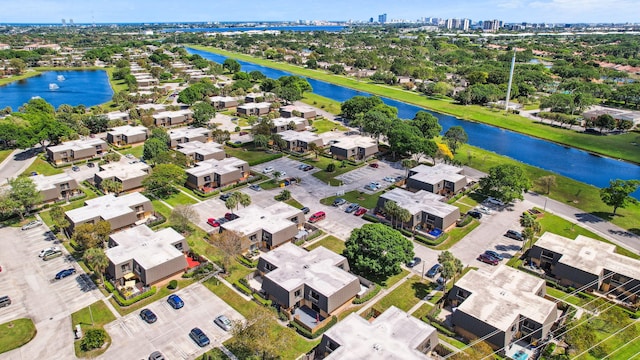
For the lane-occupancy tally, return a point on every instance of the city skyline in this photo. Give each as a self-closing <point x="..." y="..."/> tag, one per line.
<point x="142" y="11"/>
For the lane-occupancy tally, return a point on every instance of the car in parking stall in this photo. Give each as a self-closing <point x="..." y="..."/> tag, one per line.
<point x="339" y="201"/>
<point x="255" y="187"/>
<point x="223" y="322"/>
<point x="148" y="316"/>
<point x="360" y="211"/>
<point x="31" y="225"/>
<point x="488" y="259"/>
<point x="435" y="270"/>
<point x="64" y="273"/>
<point x="475" y="214"/>
<point x="156" y="355"/>
<point x="494" y="254"/>
<point x="351" y="208"/>
<point x="225" y="197"/>
<point x="268" y="169"/>
<point x="308" y="167"/>
<point x="199" y="337"/>
<point x="305" y="210"/>
<point x="213" y="222"/>
<point x="516" y="235"/>
<point x="48" y="250"/>
<point x="175" y="301"/>
<point x="414" y="262"/>
<point x="320" y="215"/>
<point x="230" y="216"/>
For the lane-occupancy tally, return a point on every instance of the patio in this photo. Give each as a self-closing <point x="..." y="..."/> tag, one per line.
<point x="308" y="317"/>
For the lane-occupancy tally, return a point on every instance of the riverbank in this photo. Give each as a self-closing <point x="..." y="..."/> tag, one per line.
<point x="623" y="147"/>
<point x="26" y="75"/>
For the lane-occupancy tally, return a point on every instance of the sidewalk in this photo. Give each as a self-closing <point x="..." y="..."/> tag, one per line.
<point x="383" y="293"/>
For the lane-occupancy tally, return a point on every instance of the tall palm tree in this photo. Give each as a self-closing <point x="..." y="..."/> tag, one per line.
<point x="404" y="216"/>
<point x="97" y="260"/>
<point x="391" y="208"/>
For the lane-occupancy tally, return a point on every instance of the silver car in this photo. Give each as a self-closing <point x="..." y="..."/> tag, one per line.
<point x="31" y="225"/>
<point x="223" y="322"/>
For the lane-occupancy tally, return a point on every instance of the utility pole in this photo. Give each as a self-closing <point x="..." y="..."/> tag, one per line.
<point x="513" y="64"/>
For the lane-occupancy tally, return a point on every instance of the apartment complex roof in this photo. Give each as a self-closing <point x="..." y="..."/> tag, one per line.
<point x="148" y="248"/>
<point x="213" y="166"/>
<point x="437" y="173"/>
<point x="253" y="218"/>
<point x="420" y="201"/>
<point x="107" y="207"/>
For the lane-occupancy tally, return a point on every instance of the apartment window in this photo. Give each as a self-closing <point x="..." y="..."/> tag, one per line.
<point x="178" y="246"/>
<point x="139" y="208"/>
<point x="314" y="295"/>
<point x="332" y="346"/>
<point x="297" y="293"/>
<point x="64" y="186"/>
<point x="461" y="294"/>
<point x="547" y="254"/>
<point x="125" y="268"/>
<point x="270" y="267"/>
<point x="207" y="178"/>
<point x="253" y="238"/>
<point x="137" y="269"/>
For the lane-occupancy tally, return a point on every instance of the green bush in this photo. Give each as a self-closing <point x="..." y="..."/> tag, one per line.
<point x="371" y="218"/>
<point x="261" y="300"/>
<point x="246" y="262"/>
<point x="331" y="167"/>
<point x="172" y="284"/>
<point x="124" y="302"/>
<point x="93" y="339"/>
<point x="368" y="296"/>
<point x="306" y="333"/>
<point x="109" y="286"/>
<point x="243" y="289"/>
<point x="465" y="221"/>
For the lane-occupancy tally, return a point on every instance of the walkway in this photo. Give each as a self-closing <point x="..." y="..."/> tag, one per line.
<point x="225" y="282"/>
<point x="383" y="293"/>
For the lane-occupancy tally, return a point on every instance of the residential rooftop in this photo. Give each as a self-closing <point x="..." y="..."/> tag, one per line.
<point x="285" y="121"/>
<point x="253" y="218"/>
<point x="107" y="207"/>
<point x="351" y="142"/>
<point x="44" y="183"/>
<point x="317" y="268"/>
<point x="155" y="107"/>
<point x="78" y="145"/>
<point x="589" y="255"/>
<point x="200" y="148"/>
<point x="123" y="171"/>
<point x="188" y="132"/>
<point x="211" y="166"/>
<point x="260" y="105"/>
<point x="435" y="174"/>
<point x="128" y="130"/>
<point x="172" y="114"/>
<point x="300" y="108"/>
<point x="392" y="335"/>
<point x="420" y="201"/>
<point x="292" y="135"/>
<point x="149" y="248"/>
<point x="500" y="297"/>
<point x="117" y="115"/>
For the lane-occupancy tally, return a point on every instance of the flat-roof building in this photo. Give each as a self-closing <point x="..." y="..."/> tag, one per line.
<point x="223" y="102"/>
<point x="55" y="187"/>
<point x="354" y="148"/>
<point x="127" y="135"/>
<point x="426" y="208"/>
<point x="211" y="174"/>
<point x="130" y="175"/>
<point x="198" y="151"/>
<point x="188" y="134"/>
<point x="76" y="150"/>
<point x="121" y="211"/>
<point x="506" y="303"/>
<point x="255" y="109"/>
<point x="299" y="141"/>
<point x="438" y="179"/>
<point x="172" y="118"/>
<point x="292" y="123"/>
<point x="306" y="112"/>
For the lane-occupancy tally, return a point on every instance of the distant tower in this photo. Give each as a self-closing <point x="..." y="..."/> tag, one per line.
<point x="71" y="22"/>
<point x="513" y="64"/>
<point x="382" y="18"/>
<point x="64" y="23"/>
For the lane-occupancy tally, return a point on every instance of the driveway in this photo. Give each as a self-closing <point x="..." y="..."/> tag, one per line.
<point x="132" y="338"/>
<point x="28" y="280"/>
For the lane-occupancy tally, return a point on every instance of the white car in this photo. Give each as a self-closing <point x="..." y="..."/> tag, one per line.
<point x="31" y="225"/>
<point x="283" y="174"/>
<point x="268" y="169"/>
<point x="389" y="179"/>
<point x="494" y="201"/>
<point x="48" y="250"/>
<point x="485" y="210"/>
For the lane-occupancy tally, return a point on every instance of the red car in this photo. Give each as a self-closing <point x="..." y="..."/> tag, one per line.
<point x="320" y="215"/>
<point x="213" y="222"/>
<point x="374" y="165"/>
<point x="360" y="211"/>
<point x="231" y="216"/>
<point x="488" y="259"/>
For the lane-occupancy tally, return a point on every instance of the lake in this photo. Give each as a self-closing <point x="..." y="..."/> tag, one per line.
<point x="566" y="161"/>
<point x="73" y="87"/>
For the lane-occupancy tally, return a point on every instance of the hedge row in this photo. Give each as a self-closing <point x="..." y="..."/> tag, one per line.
<point x="368" y="296"/>
<point x="306" y="333"/>
<point x="246" y="262"/>
<point x="124" y="302"/>
<point x="371" y="218"/>
<point x="243" y="289"/>
<point x="261" y="300"/>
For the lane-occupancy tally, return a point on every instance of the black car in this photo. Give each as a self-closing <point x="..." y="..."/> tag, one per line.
<point x="415" y="261"/>
<point x="514" y="235"/>
<point x="475" y="214"/>
<point x="307" y="168"/>
<point x="148" y="316"/>
<point x="199" y="337"/>
<point x="64" y="273"/>
<point x="225" y="197"/>
<point x="435" y="269"/>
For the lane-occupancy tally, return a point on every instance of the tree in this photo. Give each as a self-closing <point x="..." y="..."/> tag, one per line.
<point x="455" y="137"/>
<point x="547" y="182"/>
<point x="378" y="251"/>
<point x="451" y="266"/>
<point x="254" y="337"/>
<point x="190" y="95"/>
<point x="359" y="105"/>
<point x="90" y="236"/>
<point x="231" y="244"/>
<point x="18" y="65"/>
<point x="241" y="198"/>
<point x="231" y="66"/>
<point x="161" y="183"/>
<point x="202" y="113"/>
<point x="23" y="194"/>
<point x="505" y="182"/>
<point x="408" y="164"/>
<point x="284" y="195"/>
<point x="427" y="123"/>
<point x="605" y="122"/>
<point x="376" y="123"/>
<point x="391" y="209"/>
<point x="403" y="215"/>
<point x="260" y="141"/>
<point x="93" y="339"/>
<point x="111" y="185"/>
<point x="618" y="193"/>
<point x="231" y="203"/>
<point x="96" y="123"/>
<point x="153" y="147"/>
<point x="97" y="260"/>
<point x="59" y="219"/>
<point x="314" y="148"/>
<point x="181" y="218"/>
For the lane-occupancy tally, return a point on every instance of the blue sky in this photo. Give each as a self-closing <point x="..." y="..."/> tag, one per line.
<point x="109" y="11"/>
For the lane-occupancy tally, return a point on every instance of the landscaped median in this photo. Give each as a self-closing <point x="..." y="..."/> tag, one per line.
<point x="15" y="333"/>
<point x="95" y="340"/>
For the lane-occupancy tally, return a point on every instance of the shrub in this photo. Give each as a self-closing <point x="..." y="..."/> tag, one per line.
<point x="246" y="262"/>
<point x="331" y="167"/>
<point x="368" y="296"/>
<point x="172" y="284"/>
<point x="261" y="300"/>
<point x="243" y="289"/>
<point x="93" y="339"/>
<point x="370" y="218"/>
<point x="124" y="302"/>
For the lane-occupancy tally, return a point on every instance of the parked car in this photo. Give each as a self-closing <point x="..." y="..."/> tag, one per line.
<point x="435" y="269"/>
<point x="320" y="215"/>
<point x="75" y="168"/>
<point x="47" y="250"/>
<point x="413" y="262"/>
<point x="488" y="259"/>
<point x="441" y="281"/>
<point x="64" y="273"/>
<point x="243" y="133"/>
<point x="339" y="201"/>
<point x="213" y="222"/>
<point x="305" y="210"/>
<point x="390" y="179"/>
<point x="307" y="168"/>
<point x="351" y="208"/>
<point x="225" y="197"/>
<point x="494" y="254"/>
<point x="360" y="211"/>
<point x="514" y="235"/>
<point x="268" y="169"/>
<point x="376" y="184"/>
<point x="148" y="316"/>
<point x="483" y="209"/>
<point x="474" y="214"/>
<point x="199" y="337"/>
<point x="5" y="301"/>
<point x="494" y="201"/>
<point x="223" y="322"/>
<point x="370" y="187"/>
<point x="31" y="225"/>
<point x="374" y="165"/>
<point x="129" y="156"/>
<point x="283" y="174"/>
<point x="302" y="166"/>
<point x="33" y="173"/>
<point x="175" y="301"/>
<point x="255" y="187"/>
<point x="91" y="165"/>
<point x="230" y="216"/>
<point x="222" y="221"/>
<point x="52" y="254"/>
<point x="156" y="355"/>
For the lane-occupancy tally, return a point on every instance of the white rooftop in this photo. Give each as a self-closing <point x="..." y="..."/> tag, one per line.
<point x="421" y="201"/>
<point x="117" y="115"/>
<point x="123" y="171"/>
<point x="317" y="268"/>
<point x="155" y="107"/>
<point x="351" y="142"/>
<point x="285" y="121"/>
<point x="128" y="130"/>
<point x="253" y="218"/>
<point x="213" y="166"/>
<point x="301" y="108"/>
<point x="292" y="135"/>
<point x="200" y="148"/>
<point x="107" y="207"/>
<point x="172" y="114"/>
<point x="589" y="255"/>
<point x="260" y="105"/>
<point x="188" y="132"/>
<point x="392" y="335"/>
<point x="148" y="248"/>
<point x="49" y="182"/>
<point x="77" y="145"/>
<point x="500" y="297"/>
<point x="435" y="174"/>
<point x="222" y="98"/>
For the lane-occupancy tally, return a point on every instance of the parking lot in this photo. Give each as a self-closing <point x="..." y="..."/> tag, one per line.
<point x="133" y="338"/>
<point x="29" y="282"/>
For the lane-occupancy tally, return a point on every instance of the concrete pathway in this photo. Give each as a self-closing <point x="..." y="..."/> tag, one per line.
<point x="189" y="195"/>
<point x="383" y="293"/>
<point x="225" y="282"/>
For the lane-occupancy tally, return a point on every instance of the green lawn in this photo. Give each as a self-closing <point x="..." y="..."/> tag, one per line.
<point x="180" y="198"/>
<point x="325" y="125"/>
<point x="422" y="311"/>
<point x="94" y="316"/>
<point x="406" y="295"/>
<point x="330" y="242"/>
<point x="456" y="234"/>
<point x="249" y="154"/>
<point x="394" y="279"/>
<point x="293" y="202"/>
<point x="42" y="167"/>
<point x="16" y="333"/>
<point x="4" y="154"/>
<point x="135" y="151"/>
<point x="619" y="147"/>
<point x="29" y="73"/>
<point x="363" y="199"/>
<point x="326" y="104"/>
<point x="577" y="194"/>
<point x="322" y="162"/>
<point x="563" y="296"/>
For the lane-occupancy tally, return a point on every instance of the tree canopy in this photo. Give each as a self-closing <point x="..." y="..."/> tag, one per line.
<point x="163" y="179"/>
<point x="505" y="182"/>
<point x="618" y="193"/>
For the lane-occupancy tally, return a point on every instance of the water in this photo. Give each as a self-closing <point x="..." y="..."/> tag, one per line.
<point x="572" y="163"/>
<point x="75" y="87"/>
<point x="332" y="28"/>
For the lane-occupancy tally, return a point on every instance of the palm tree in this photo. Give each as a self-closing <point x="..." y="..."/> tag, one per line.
<point x="276" y="174"/>
<point x="404" y="216"/>
<point x="391" y="208"/>
<point x="408" y="164"/>
<point x="313" y="147"/>
<point x="97" y="260"/>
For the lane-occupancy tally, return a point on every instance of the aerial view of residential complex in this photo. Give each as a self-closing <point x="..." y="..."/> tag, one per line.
<point x="215" y="180"/>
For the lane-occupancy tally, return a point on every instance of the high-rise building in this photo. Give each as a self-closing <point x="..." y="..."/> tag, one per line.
<point x="64" y="22"/>
<point x="490" y="25"/>
<point x="70" y="21"/>
<point x="382" y="18"/>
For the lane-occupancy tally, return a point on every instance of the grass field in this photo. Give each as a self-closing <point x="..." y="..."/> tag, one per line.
<point x="26" y="75"/>
<point x="248" y="153"/>
<point x="363" y="199"/>
<point x="618" y="147"/>
<point x="16" y="333"/>
<point x="135" y="151"/>
<point x="326" y="104"/>
<point x="330" y="242"/>
<point x="293" y="202"/>
<point x="406" y="295"/>
<point x="324" y="125"/>
<point x="42" y="167"/>
<point x="456" y="234"/>
<point x="94" y="316"/>
<point x="394" y="279"/>
<point x="322" y="162"/>
<point x="179" y="198"/>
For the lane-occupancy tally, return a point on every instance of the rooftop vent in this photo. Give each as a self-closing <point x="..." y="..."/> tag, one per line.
<point x="376" y="347"/>
<point x="305" y="266"/>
